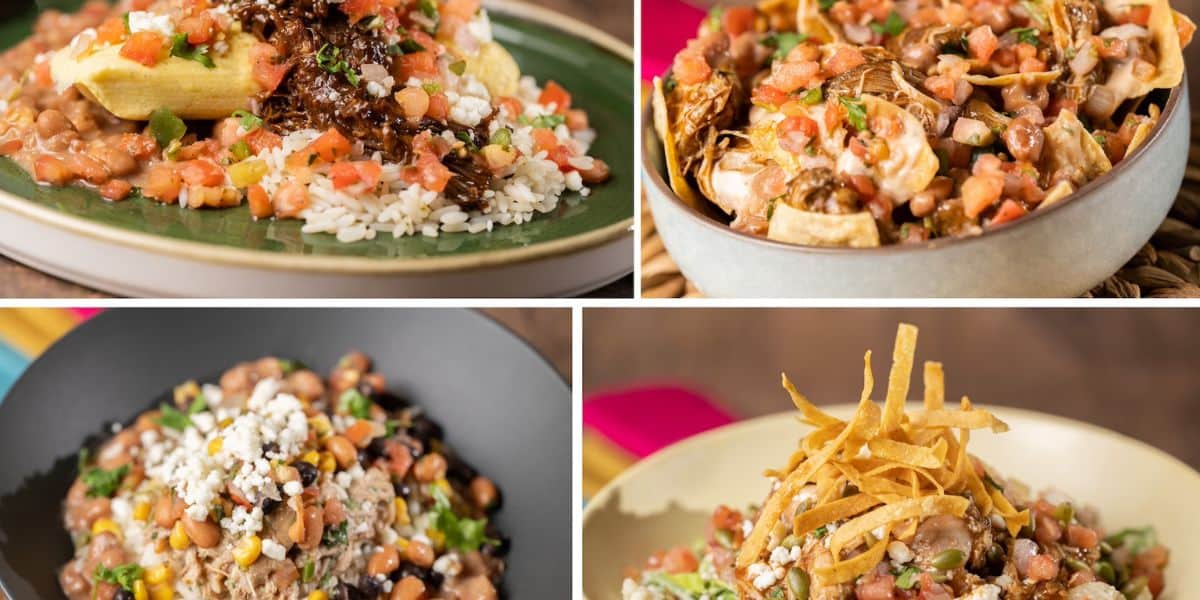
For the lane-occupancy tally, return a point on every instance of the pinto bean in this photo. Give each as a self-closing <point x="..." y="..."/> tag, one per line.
<point x="409" y="588"/>
<point x="334" y="512"/>
<point x="920" y="55"/>
<point x="204" y="534"/>
<point x="431" y="467"/>
<point x="87" y="168"/>
<point x="483" y="492"/>
<point x="419" y="553"/>
<point x="118" y="162"/>
<point x="599" y="173"/>
<point x="343" y="451"/>
<point x="384" y="561"/>
<point x="73" y="583"/>
<point x="51" y="123"/>
<point x="306" y="384"/>
<point x="922" y="204"/>
<point x="1017" y="96"/>
<point x="1024" y="139"/>
<point x="313" y="528"/>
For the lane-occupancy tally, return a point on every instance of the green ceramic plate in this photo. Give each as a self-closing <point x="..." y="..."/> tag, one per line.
<point x="596" y="69"/>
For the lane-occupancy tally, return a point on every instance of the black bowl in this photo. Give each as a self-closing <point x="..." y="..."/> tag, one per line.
<point x="505" y="411"/>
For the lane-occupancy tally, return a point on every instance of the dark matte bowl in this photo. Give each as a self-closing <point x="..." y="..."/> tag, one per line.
<point x="1059" y="251"/>
<point x="505" y="410"/>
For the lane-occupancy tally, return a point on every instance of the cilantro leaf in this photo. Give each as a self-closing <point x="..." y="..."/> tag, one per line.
<point x="166" y="127"/>
<point x="123" y="575"/>
<point x="250" y="121"/>
<point x="461" y="533"/>
<point x="892" y="26"/>
<point x="856" y="112"/>
<point x="783" y="43"/>
<point x="406" y="46"/>
<point x="173" y="417"/>
<point x="826" y="4"/>
<point x="335" y="535"/>
<point x="542" y="122"/>
<point x="102" y="483"/>
<point x="820" y="532"/>
<point x="181" y="48"/>
<point x="813" y="96"/>
<point x="329" y="58"/>
<point x="1028" y="35"/>
<point x="907" y="578"/>
<point x="429" y="8"/>
<point x="354" y="403"/>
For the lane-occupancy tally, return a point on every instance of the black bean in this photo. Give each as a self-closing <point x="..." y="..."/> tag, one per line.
<point x="270" y="504"/>
<point x="377" y="448"/>
<point x="402" y="489"/>
<point x="387" y="400"/>
<point x="459" y="472"/>
<point x="270" y="447"/>
<point x="424" y="430"/>
<point x="308" y="473"/>
<point x="123" y="594"/>
<point x="365" y="458"/>
<point x="499" y="550"/>
<point x="370" y="586"/>
<point x="346" y="591"/>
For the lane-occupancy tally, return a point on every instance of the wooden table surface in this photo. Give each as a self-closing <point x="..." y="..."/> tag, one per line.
<point x="616" y="18"/>
<point x="548" y="330"/>
<point x="1130" y="370"/>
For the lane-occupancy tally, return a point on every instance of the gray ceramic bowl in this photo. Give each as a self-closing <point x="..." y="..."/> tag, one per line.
<point x="1061" y="251"/>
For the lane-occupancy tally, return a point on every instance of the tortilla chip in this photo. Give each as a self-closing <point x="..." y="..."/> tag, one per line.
<point x="935" y="386"/>
<point x="959" y="419"/>
<point x="898" y="379"/>
<point x="1034" y="78"/>
<point x="917" y="508"/>
<point x="812" y="22"/>
<point x="812" y="415"/>
<point x="1071" y="147"/>
<point x="675" y="175"/>
<point x="1143" y="131"/>
<point x="805" y="228"/>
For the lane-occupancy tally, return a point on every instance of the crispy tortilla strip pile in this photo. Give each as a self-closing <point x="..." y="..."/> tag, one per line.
<point x="881" y="469"/>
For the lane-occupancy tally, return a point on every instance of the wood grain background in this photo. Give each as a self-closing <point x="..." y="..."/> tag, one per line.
<point x="1133" y="371"/>
<point x="548" y="330"/>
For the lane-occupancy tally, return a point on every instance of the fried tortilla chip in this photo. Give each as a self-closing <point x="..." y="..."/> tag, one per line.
<point x="806" y="228"/>
<point x="675" y="175"/>
<point x="1070" y="148"/>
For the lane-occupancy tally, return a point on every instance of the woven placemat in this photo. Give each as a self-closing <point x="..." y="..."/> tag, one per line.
<point x="1166" y="267"/>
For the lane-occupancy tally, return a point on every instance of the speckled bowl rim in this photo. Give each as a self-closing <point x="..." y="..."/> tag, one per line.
<point x="241" y="257"/>
<point x="651" y="173"/>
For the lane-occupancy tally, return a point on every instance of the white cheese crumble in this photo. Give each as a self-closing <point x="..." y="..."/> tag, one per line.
<point x="141" y="20"/>
<point x="273" y="550"/>
<point x="448" y="565"/>
<point x="762" y="575"/>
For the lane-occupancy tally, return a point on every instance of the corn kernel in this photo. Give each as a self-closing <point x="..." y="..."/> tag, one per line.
<point x="106" y="525"/>
<point x="160" y="574"/>
<point x="318" y="595"/>
<point x="215" y="446"/>
<point x="162" y="591"/>
<point x="179" y="537"/>
<point x="226" y="422"/>
<point x="437" y="537"/>
<point x="247" y="172"/>
<point x="328" y="462"/>
<point x="445" y="485"/>
<point x="311" y="457"/>
<point x="402" y="544"/>
<point x="402" y="517"/>
<point x="141" y="511"/>
<point x="321" y="425"/>
<point x="140" y="592"/>
<point x="247" y="551"/>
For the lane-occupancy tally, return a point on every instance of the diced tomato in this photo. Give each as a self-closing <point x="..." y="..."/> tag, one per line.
<point x="260" y="139"/>
<point x="557" y="95"/>
<point x="980" y="192"/>
<point x="511" y="105"/>
<point x="857" y="148"/>
<point x="738" y="20"/>
<point x="769" y="95"/>
<point x="202" y="172"/>
<point x="42" y="76"/>
<point x="1032" y="65"/>
<point x="770" y="182"/>
<point x="195" y="7"/>
<point x="844" y="59"/>
<point x="52" y="170"/>
<point x="1043" y="567"/>
<point x="414" y="103"/>
<point x="834" y="113"/>
<point x="345" y="174"/>
<point x="331" y="146"/>
<point x="428" y="172"/>
<point x="680" y="560"/>
<point x="116" y="189"/>
<point x="111" y="31"/>
<point x="439" y="107"/>
<point x="400" y="458"/>
<point x="267" y="69"/>
<point x="145" y="47"/>
<point x="427" y="143"/>
<point x="875" y="586"/>
<point x="1138" y="14"/>
<point x="137" y="145"/>
<point x="290" y="200"/>
<point x="1009" y="210"/>
<point x="200" y="29"/>
<point x="358" y="10"/>
<point x="932" y="590"/>
<point x="795" y="133"/>
<point x="162" y="184"/>
<point x="260" y="203"/>
<point x="1186" y="29"/>
<point x="1110" y="47"/>
<point x="139" y="4"/>
<point x="544" y="140"/>
<point x="11" y="147"/>
<point x="209" y="148"/>
<point x="460" y="9"/>
<point x="577" y="119"/>
<point x="690" y="67"/>
<point x="1078" y="535"/>
<point x="789" y="77"/>
<point x="360" y="432"/>
<point x="982" y="42"/>
<point x="422" y="65"/>
<point x="561" y="156"/>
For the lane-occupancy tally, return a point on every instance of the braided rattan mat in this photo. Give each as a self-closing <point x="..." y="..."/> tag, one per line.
<point x="1167" y="267"/>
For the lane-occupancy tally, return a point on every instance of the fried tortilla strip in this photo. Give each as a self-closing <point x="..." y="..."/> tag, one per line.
<point x="898" y="379"/>
<point x="959" y="419"/>
<point x="848" y="570"/>
<point x="917" y="508"/>
<point x="843" y="508"/>
<point x="812" y="415"/>
<point x="935" y="386"/>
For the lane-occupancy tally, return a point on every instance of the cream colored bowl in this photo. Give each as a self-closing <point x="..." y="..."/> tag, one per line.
<point x="667" y="499"/>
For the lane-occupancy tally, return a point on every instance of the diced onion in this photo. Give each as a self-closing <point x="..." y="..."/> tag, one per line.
<point x="1127" y="31"/>
<point x="859" y="34"/>
<point x="1102" y="103"/>
<point x="1085" y="59"/>
<point x="972" y="132"/>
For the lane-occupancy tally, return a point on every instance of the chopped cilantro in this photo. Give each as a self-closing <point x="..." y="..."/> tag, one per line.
<point x="102" y="483"/>
<point x="543" y="122"/>
<point x="329" y="58"/>
<point x="199" y="404"/>
<point x="173" y="417"/>
<point x="820" y="532"/>
<point x="309" y="572"/>
<point x="458" y="67"/>
<point x="783" y="43"/>
<point x="335" y="535"/>
<point x="429" y="8"/>
<point x="250" y="121"/>
<point x="166" y="127"/>
<point x="892" y="26"/>
<point x="290" y="366"/>
<point x="181" y="48"/>
<point x="502" y="137"/>
<point x="125" y="20"/>
<point x="856" y="112"/>
<point x="826" y="4"/>
<point x="461" y="534"/>
<point x="354" y="403"/>
<point x="813" y="96"/>
<point x="907" y="578"/>
<point x="1028" y="35"/>
<point x="123" y="575"/>
<point x="390" y="427"/>
<point x="407" y="46"/>
<point x="466" y="138"/>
